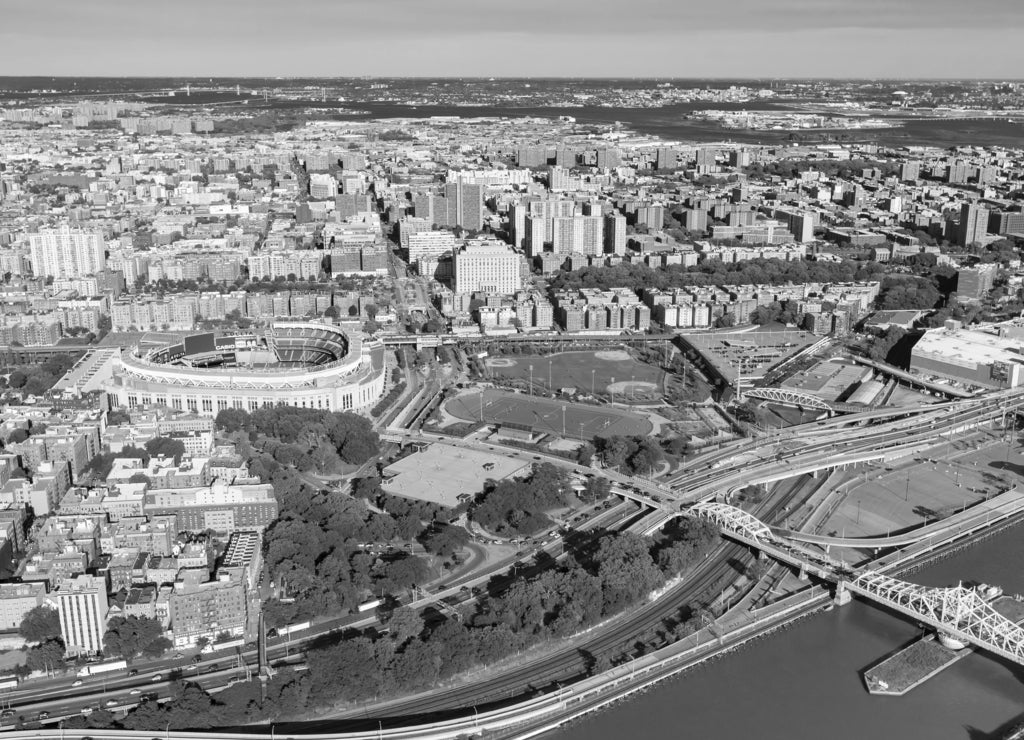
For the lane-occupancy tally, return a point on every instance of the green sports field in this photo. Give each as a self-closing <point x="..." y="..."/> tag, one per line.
<point x="546" y="416"/>
<point x="609" y="371"/>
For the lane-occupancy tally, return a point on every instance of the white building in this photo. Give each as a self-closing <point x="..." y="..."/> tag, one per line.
<point x="582" y="234"/>
<point x="66" y="252"/>
<point x="430" y="244"/>
<point x="487" y="266"/>
<point x="82" y="603"/>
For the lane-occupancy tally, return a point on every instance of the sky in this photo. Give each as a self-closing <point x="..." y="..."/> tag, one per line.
<point x="514" y="38"/>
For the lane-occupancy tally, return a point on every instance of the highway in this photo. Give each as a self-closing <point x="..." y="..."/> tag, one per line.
<point x="568" y="663"/>
<point x="818" y="444"/>
<point x="59" y="698"/>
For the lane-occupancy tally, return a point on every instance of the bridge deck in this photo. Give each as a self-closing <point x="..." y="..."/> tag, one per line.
<point x="999" y="507"/>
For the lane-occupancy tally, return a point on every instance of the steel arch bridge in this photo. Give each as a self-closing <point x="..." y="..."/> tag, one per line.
<point x="957" y="611"/>
<point x="734" y="520"/>
<point x="789" y="397"/>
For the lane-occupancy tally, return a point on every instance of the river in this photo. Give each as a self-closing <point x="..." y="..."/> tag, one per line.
<point x="805" y="682"/>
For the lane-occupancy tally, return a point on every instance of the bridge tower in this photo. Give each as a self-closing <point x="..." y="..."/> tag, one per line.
<point x="842" y="595"/>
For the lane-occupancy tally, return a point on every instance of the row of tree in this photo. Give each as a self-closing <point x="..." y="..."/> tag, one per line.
<point x="609" y="575"/>
<point x="617" y="571"/>
<point x="351" y="435"/>
<point x="638" y="276"/>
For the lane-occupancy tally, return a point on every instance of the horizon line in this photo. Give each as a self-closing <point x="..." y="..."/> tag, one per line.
<point x="784" y="78"/>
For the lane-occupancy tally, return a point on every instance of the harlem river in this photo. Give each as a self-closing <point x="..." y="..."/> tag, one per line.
<point x="805" y="682"/>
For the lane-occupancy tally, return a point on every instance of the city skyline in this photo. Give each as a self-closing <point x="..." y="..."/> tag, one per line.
<point x="784" y="38"/>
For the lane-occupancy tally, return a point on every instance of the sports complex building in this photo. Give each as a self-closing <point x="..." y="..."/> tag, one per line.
<point x="294" y="363"/>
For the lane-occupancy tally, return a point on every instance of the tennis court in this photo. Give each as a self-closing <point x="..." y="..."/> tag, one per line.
<point x="546" y="416"/>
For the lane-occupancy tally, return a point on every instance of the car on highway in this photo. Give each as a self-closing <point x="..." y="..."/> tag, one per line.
<point x="111" y="703"/>
<point x="133" y="672"/>
<point x="158" y="677"/>
<point x="43" y="715"/>
<point x="213" y="668"/>
<point x="77" y="683"/>
<point x="87" y="711"/>
<point x="135" y="692"/>
<point x="179" y="656"/>
<point x="7" y="713"/>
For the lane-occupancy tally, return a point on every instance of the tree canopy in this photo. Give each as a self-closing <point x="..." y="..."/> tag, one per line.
<point x="40" y="623"/>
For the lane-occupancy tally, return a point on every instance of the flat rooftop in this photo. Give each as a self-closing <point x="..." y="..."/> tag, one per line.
<point x="753" y="351"/>
<point x="968" y="348"/>
<point x="828" y="379"/>
<point x="440" y="474"/>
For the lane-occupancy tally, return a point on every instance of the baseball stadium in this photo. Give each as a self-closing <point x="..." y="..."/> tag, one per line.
<point x="295" y="363"/>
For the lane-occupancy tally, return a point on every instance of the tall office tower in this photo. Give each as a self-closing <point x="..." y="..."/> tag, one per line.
<point x="974" y="283"/>
<point x="739" y="158"/>
<point x="549" y="209"/>
<point x="517" y="224"/>
<point x="465" y="205"/>
<point x="486" y="266"/>
<point x="564" y="236"/>
<point x="957" y="172"/>
<point x="608" y="159"/>
<point x="535" y="231"/>
<point x="532" y="156"/>
<point x="318" y="161"/>
<point x="434" y="208"/>
<point x="348" y="205"/>
<point x="973" y="224"/>
<point x="696" y="219"/>
<point x="353" y="161"/>
<point x="579" y="234"/>
<point x="558" y="178"/>
<point x="565" y="158"/>
<point x="66" y="252"/>
<point x="801" y="223"/>
<point x="1006" y="222"/>
<point x="987" y="174"/>
<point x="615" y="233"/>
<point x="706" y="157"/>
<point x="592" y="239"/>
<point x="82" y="604"/>
<point x="910" y="171"/>
<point x="652" y="216"/>
<point x="666" y="158"/>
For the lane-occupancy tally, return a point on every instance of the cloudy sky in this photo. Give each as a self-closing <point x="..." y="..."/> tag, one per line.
<point x="667" y="38"/>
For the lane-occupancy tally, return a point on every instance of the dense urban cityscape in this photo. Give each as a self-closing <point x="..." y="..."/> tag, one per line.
<point x="366" y="407"/>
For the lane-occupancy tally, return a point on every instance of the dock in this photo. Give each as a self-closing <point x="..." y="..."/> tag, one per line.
<point x="926" y="657"/>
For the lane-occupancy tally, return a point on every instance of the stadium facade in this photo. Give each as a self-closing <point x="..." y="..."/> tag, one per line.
<point x="294" y="363"/>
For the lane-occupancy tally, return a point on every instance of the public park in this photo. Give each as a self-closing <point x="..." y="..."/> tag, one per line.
<point x="614" y="373"/>
<point x="546" y="416"/>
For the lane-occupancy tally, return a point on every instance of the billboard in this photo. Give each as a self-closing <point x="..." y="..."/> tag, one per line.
<point x="199" y="343"/>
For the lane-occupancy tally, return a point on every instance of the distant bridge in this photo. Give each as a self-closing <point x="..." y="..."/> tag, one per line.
<point x="800" y="399"/>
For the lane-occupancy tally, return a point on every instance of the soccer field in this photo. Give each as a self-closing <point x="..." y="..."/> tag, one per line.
<point x="546" y="416"/>
<point x="608" y="371"/>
